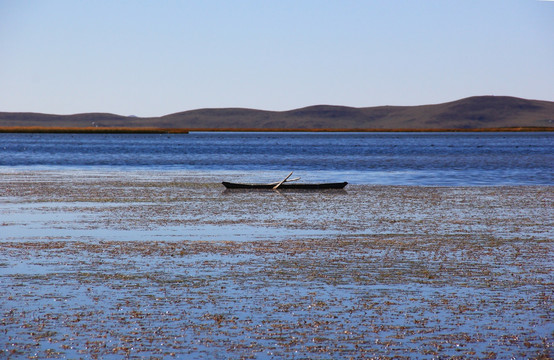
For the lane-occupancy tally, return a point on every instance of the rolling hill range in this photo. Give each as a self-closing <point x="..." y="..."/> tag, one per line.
<point x="479" y="112"/>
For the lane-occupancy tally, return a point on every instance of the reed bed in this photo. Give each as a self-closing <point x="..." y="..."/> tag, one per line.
<point x="90" y="130"/>
<point x="154" y="130"/>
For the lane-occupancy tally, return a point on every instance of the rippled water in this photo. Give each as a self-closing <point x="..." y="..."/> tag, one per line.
<point x="362" y="158"/>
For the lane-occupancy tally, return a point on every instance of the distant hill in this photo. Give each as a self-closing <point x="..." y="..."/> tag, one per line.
<point x="479" y="112"/>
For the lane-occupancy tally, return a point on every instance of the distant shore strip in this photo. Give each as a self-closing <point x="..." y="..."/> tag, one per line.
<point x="90" y="130"/>
<point x="140" y="130"/>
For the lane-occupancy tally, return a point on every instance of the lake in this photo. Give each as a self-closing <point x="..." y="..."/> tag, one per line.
<point x="428" y="159"/>
<point x="128" y="246"/>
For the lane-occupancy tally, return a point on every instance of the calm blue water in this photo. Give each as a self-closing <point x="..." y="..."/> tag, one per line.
<point x="362" y="158"/>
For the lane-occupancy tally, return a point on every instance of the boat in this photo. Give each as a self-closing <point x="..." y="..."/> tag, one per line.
<point x="283" y="186"/>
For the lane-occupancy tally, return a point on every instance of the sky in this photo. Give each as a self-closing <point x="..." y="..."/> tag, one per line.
<point x="152" y="58"/>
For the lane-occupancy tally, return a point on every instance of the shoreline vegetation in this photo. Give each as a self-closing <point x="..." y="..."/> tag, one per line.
<point x="139" y="130"/>
<point x="89" y="130"/>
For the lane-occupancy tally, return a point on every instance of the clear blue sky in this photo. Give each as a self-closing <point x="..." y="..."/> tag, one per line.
<point x="151" y="58"/>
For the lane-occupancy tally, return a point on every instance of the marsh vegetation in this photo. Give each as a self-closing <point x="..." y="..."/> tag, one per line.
<point x="132" y="266"/>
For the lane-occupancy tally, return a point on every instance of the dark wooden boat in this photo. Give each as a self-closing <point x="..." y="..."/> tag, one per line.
<point x="295" y="186"/>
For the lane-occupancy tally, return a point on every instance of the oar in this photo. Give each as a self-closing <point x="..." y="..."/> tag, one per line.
<point x="288" y="180"/>
<point x="282" y="181"/>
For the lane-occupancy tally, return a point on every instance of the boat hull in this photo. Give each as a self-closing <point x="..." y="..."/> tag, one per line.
<point x="284" y="186"/>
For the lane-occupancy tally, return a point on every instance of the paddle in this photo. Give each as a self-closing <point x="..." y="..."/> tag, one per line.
<point x="282" y="181"/>
<point x="288" y="180"/>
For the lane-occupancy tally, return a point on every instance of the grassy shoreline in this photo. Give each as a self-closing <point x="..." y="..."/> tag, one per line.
<point x="140" y="130"/>
<point x="90" y="130"/>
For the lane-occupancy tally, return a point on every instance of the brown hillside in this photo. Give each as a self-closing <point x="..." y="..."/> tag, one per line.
<point x="480" y="112"/>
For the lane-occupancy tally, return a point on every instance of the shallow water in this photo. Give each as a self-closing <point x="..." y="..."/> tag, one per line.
<point x="161" y="265"/>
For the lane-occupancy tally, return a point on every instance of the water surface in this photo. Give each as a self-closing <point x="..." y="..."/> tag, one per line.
<point x="453" y="159"/>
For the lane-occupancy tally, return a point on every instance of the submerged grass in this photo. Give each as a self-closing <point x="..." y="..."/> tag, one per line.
<point x="376" y="272"/>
